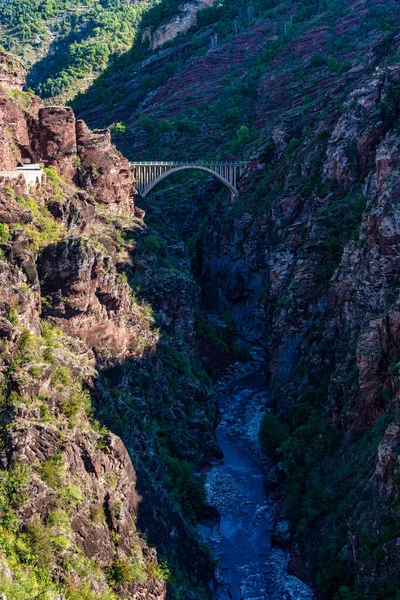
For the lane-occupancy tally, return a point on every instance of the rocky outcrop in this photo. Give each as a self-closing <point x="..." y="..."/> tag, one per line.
<point x="14" y="133"/>
<point x="180" y="24"/>
<point x="12" y="72"/>
<point x="58" y="140"/>
<point x="87" y="157"/>
<point x="13" y="121"/>
<point x="103" y="171"/>
<point x="88" y="299"/>
<point x="31" y="132"/>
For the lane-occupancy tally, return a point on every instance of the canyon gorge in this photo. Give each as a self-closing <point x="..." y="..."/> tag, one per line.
<point x="199" y="398"/>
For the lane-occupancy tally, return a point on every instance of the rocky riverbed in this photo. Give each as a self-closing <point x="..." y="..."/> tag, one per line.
<point x="248" y="568"/>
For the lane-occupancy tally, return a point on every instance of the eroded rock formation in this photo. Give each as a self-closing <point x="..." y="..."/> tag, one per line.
<point x="12" y="72"/>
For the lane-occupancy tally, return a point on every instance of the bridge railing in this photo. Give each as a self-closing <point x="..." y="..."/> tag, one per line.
<point x="186" y="162"/>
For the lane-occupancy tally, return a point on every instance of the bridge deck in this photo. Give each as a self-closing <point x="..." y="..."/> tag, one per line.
<point x="161" y="163"/>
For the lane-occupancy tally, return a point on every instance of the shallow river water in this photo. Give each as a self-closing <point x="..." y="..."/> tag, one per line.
<point x="248" y="567"/>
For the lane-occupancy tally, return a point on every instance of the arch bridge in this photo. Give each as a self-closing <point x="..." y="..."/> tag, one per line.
<point x="149" y="174"/>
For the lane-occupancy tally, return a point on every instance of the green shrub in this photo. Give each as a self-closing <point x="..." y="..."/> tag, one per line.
<point x="185" y="126"/>
<point x="147" y="124"/>
<point x="48" y="355"/>
<point x="71" y="494"/>
<point x="118" y="128"/>
<point x="83" y="591"/>
<point x="43" y="231"/>
<point x="244" y="136"/>
<point x="151" y="243"/>
<point x="61" y="542"/>
<point x="52" y="175"/>
<point x="60" y="377"/>
<point x="38" y="540"/>
<point x="272" y="434"/>
<point x="35" y="371"/>
<point x="345" y="593"/>
<point x="158" y="571"/>
<point x="59" y="518"/>
<point x="52" y="470"/>
<point x="14" y="399"/>
<point x="121" y="572"/>
<point x="13" y="316"/>
<point x="317" y="60"/>
<point x="165" y="125"/>
<point x="26" y="341"/>
<point x="345" y="66"/>
<point x="30" y="204"/>
<point x="97" y="514"/>
<point x="72" y="405"/>
<point x="197" y="42"/>
<point x="51" y="334"/>
<point x="11" y="482"/>
<point x="45" y="413"/>
<point x="5" y="234"/>
<point x="232" y="116"/>
<point x="187" y="489"/>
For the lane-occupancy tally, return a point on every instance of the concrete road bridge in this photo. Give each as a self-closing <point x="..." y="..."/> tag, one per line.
<point x="149" y="174"/>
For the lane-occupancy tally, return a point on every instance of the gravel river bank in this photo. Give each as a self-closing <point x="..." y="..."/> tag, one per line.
<point x="248" y="568"/>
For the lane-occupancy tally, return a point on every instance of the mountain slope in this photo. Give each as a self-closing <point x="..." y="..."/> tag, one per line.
<point x="66" y="42"/>
<point x="221" y="88"/>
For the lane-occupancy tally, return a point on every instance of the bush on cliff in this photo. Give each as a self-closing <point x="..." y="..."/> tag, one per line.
<point x="52" y="470"/>
<point x="122" y="571"/>
<point x="39" y="543"/>
<point x="187" y="489"/>
<point x="273" y="434"/>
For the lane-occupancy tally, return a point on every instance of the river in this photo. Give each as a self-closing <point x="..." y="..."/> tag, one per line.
<point x="248" y="567"/>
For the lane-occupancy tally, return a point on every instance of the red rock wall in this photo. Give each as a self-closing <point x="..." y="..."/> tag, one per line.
<point x="103" y="171"/>
<point x="58" y="140"/>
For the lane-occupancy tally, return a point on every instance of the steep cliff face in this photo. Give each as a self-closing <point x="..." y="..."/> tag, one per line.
<point x="317" y="269"/>
<point x="68" y="498"/>
<point x="76" y="342"/>
<point x="86" y="158"/>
